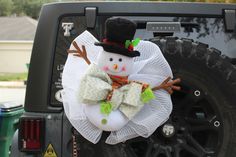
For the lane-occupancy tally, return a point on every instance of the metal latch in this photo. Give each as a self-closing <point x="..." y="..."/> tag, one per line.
<point x="90" y="15"/>
<point x="229" y="19"/>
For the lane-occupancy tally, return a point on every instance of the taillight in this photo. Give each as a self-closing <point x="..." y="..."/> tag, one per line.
<point x="31" y="134"/>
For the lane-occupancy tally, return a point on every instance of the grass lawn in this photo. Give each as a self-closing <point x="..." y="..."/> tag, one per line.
<point x="13" y="76"/>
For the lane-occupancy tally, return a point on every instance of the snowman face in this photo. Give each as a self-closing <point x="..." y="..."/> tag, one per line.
<point x="115" y="64"/>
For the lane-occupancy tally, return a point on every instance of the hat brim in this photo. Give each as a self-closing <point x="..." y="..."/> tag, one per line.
<point x="117" y="49"/>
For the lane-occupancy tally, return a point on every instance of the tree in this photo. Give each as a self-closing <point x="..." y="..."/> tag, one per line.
<point x="5" y="7"/>
<point x="32" y="7"/>
<point x="19" y="7"/>
<point x="29" y="7"/>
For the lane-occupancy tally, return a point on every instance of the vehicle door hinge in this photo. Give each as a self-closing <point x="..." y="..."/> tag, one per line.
<point x="229" y="19"/>
<point x="90" y="15"/>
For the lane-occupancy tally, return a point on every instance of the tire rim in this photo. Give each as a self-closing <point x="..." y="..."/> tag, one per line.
<point x="194" y="129"/>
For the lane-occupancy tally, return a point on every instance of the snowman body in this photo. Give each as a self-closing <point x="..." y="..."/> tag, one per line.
<point x="119" y="66"/>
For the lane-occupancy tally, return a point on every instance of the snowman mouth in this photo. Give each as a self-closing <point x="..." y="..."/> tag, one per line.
<point x="115" y="71"/>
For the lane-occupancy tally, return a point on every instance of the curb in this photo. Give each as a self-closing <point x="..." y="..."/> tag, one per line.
<point x="12" y="84"/>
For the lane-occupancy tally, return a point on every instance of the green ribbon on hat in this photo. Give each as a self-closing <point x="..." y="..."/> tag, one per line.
<point x="133" y="43"/>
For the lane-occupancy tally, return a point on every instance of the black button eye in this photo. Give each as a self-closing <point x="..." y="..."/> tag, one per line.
<point x="120" y="60"/>
<point x="111" y="59"/>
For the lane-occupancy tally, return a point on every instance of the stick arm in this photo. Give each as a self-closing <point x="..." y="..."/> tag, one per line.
<point x="79" y="53"/>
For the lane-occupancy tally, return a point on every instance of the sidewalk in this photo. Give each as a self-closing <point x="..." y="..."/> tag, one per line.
<point x="12" y="84"/>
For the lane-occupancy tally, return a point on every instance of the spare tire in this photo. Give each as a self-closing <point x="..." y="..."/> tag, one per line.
<point x="203" y="121"/>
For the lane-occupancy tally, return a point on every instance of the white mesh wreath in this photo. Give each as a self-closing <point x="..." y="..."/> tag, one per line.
<point x="150" y="67"/>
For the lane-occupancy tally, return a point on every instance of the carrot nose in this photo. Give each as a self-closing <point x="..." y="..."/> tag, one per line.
<point x="115" y="66"/>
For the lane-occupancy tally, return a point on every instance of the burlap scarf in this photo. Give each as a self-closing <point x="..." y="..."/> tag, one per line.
<point x="119" y="81"/>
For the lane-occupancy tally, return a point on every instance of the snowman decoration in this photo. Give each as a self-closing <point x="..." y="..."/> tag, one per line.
<point x="115" y="92"/>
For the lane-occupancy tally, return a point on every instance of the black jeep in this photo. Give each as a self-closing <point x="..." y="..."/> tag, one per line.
<point x="197" y="39"/>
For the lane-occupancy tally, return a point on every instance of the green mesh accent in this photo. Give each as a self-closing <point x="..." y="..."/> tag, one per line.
<point x="106" y="107"/>
<point x="147" y="95"/>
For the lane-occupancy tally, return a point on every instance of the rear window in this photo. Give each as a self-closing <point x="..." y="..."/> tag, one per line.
<point x="62" y="44"/>
<point x="206" y="30"/>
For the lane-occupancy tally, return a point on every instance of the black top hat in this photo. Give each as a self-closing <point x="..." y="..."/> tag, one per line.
<point x="117" y="32"/>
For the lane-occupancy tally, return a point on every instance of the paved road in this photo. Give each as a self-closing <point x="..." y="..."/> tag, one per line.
<point x="12" y="94"/>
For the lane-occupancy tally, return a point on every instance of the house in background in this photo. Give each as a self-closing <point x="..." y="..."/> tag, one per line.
<point x="16" y="41"/>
